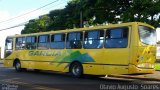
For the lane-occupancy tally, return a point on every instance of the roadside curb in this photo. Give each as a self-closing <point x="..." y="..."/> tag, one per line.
<point x="134" y="77"/>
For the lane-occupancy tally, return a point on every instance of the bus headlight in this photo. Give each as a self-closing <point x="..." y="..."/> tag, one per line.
<point x="145" y="65"/>
<point x="140" y="65"/>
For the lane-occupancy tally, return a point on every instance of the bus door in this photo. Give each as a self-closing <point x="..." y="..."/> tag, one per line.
<point x="8" y="46"/>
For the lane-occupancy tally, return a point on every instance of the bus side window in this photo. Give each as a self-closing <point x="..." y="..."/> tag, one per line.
<point x="58" y="41"/>
<point x="31" y="42"/>
<point x="74" y="40"/>
<point x="43" y="42"/>
<point x="93" y="39"/>
<point x="20" y="43"/>
<point x="117" y="38"/>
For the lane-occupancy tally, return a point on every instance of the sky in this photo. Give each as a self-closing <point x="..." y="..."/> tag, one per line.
<point x="14" y="8"/>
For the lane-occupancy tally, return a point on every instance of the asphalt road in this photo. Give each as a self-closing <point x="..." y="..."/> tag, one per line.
<point x="44" y="80"/>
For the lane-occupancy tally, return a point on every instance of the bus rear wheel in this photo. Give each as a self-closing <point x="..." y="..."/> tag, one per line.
<point x="17" y="66"/>
<point x="76" y="69"/>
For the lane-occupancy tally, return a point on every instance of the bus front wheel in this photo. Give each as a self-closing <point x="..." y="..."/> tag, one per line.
<point x="17" y="66"/>
<point x="76" y="69"/>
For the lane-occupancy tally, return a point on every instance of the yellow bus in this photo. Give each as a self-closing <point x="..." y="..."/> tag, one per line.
<point x="126" y="48"/>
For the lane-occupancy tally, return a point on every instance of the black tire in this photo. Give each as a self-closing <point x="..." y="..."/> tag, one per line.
<point x="17" y="66"/>
<point x="23" y="69"/>
<point x="76" y="69"/>
<point x="37" y="70"/>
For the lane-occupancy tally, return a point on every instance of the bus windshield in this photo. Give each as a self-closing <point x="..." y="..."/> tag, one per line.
<point x="147" y="35"/>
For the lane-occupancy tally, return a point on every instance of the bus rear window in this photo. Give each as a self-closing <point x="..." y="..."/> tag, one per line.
<point x="147" y="35"/>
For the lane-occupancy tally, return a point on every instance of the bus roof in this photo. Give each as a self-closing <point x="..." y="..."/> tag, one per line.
<point x="82" y="29"/>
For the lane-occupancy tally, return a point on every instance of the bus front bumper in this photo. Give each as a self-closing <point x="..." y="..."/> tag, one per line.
<point x="138" y="70"/>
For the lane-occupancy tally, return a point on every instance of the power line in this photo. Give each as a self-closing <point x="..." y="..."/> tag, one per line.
<point x="21" y="24"/>
<point x="56" y="5"/>
<point x="29" y="12"/>
<point x="18" y="25"/>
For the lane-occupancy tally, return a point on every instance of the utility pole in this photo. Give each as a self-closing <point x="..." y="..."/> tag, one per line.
<point x="81" y="15"/>
<point x="81" y="19"/>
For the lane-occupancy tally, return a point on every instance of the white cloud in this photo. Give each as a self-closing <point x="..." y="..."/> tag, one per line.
<point x="4" y="15"/>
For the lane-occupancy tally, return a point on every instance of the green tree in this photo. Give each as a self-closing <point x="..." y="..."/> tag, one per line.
<point x="143" y="11"/>
<point x="37" y="25"/>
<point x="57" y="20"/>
<point x="96" y="12"/>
